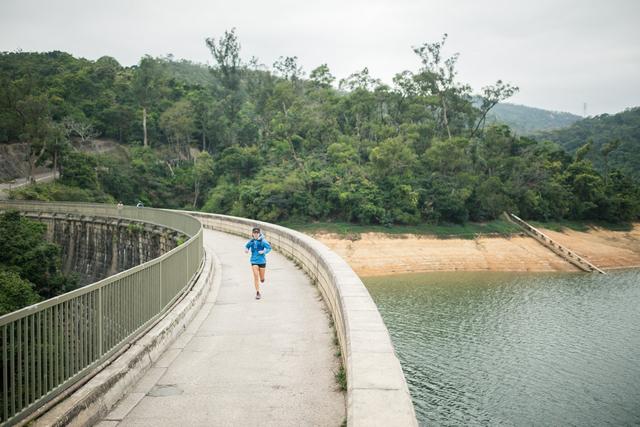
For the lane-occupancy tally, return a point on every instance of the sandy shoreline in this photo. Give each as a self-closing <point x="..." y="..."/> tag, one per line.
<point x="376" y="254"/>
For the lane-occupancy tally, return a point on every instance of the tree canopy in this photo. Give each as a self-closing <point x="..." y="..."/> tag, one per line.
<point x="280" y="145"/>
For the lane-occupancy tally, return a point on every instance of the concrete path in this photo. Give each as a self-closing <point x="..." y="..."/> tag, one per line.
<point x="245" y="362"/>
<point x="21" y="182"/>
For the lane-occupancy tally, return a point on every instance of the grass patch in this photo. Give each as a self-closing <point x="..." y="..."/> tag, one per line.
<point x="135" y="228"/>
<point x="55" y="191"/>
<point x="341" y="378"/>
<point x="582" y="226"/>
<point x="469" y="230"/>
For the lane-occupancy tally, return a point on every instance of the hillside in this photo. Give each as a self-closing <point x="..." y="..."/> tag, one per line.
<point x="622" y="128"/>
<point x="276" y="145"/>
<point x="529" y="120"/>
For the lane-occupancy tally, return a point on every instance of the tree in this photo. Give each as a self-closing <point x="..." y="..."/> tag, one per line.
<point x="36" y="128"/>
<point x="147" y="86"/>
<point x="58" y="145"/>
<point x="203" y="174"/>
<point x="393" y="158"/>
<point x="606" y="150"/>
<point x="80" y="127"/>
<point x="226" y="53"/>
<point x="203" y="111"/>
<point x="24" y="251"/>
<point x="359" y="80"/>
<point x="288" y="68"/>
<point x="79" y="170"/>
<point x="178" y="124"/>
<point x="322" y="77"/>
<point x="15" y="293"/>
<point x="491" y="95"/>
<point x="437" y="77"/>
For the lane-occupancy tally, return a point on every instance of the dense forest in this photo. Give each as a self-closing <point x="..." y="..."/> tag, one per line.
<point x="615" y="141"/>
<point x="275" y="143"/>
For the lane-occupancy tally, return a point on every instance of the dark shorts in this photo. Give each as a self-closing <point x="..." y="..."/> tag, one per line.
<point x="261" y="265"/>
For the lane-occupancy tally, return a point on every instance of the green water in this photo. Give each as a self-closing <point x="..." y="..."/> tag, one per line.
<point x="517" y="349"/>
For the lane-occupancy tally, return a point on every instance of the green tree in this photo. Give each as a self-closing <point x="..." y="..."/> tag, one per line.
<point x="321" y="76"/>
<point x="490" y="97"/>
<point x="148" y="85"/>
<point x="203" y="174"/>
<point x="178" y="123"/>
<point x="79" y="170"/>
<point x="24" y="250"/>
<point x="15" y="293"/>
<point x="437" y="78"/>
<point x="36" y="128"/>
<point x="229" y="70"/>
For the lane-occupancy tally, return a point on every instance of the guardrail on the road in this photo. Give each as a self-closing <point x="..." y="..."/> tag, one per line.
<point x="377" y="393"/>
<point x="49" y="346"/>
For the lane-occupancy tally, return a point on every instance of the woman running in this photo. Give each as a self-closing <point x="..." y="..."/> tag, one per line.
<point x="259" y="247"/>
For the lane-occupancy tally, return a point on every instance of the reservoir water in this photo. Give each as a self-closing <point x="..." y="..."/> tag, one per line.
<point x="517" y="349"/>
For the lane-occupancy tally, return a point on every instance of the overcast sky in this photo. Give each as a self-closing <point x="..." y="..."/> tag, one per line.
<point x="561" y="53"/>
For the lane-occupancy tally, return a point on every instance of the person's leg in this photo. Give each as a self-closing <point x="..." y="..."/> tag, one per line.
<point x="262" y="271"/>
<point x="256" y="277"/>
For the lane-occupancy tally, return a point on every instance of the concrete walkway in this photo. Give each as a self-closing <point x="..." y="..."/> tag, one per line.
<point x="244" y="362"/>
<point x="5" y="187"/>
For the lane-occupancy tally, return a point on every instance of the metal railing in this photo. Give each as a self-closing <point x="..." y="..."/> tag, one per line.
<point x="47" y="347"/>
<point x="560" y="250"/>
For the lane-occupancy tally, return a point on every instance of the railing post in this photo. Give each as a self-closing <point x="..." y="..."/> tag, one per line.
<point x="188" y="266"/>
<point x="161" y="264"/>
<point x="99" y="322"/>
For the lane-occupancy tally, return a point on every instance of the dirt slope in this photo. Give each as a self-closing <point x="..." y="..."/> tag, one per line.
<point x="379" y="254"/>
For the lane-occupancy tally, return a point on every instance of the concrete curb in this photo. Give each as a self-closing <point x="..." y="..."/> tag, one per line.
<point x="96" y="398"/>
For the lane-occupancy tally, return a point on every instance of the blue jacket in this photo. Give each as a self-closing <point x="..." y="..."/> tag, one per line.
<point x="256" y="245"/>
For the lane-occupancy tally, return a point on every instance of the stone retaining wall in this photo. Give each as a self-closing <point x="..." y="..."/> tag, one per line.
<point x="377" y="393"/>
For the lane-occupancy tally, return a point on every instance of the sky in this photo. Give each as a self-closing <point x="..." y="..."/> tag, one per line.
<point x="560" y="53"/>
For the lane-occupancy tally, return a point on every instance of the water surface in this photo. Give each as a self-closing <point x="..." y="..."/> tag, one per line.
<point x="517" y="349"/>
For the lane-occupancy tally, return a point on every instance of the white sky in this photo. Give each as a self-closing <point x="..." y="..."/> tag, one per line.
<point x="560" y="53"/>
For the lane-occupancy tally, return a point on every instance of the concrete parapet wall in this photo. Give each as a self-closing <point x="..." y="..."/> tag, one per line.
<point x="96" y="247"/>
<point x="377" y="393"/>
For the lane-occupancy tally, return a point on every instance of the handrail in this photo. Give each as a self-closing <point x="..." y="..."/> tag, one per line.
<point x="377" y="392"/>
<point x="560" y="250"/>
<point x="48" y="346"/>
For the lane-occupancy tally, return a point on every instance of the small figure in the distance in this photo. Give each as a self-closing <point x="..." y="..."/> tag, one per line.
<point x="259" y="248"/>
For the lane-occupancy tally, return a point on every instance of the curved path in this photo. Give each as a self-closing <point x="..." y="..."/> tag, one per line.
<point x="242" y="361"/>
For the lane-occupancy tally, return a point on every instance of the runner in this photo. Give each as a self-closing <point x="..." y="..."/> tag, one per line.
<point x="259" y="248"/>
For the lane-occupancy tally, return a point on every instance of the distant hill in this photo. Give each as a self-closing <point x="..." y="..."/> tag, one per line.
<point x="528" y="120"/>
<point x="603" y="129"/>
<point x="191" y="73"/>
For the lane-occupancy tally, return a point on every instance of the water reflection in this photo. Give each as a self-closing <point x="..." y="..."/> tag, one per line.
<point x="496" y="348"/>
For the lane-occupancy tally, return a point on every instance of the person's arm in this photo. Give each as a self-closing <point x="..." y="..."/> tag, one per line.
<point x="267" y="247"/>
<point x="246" y="247"/>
